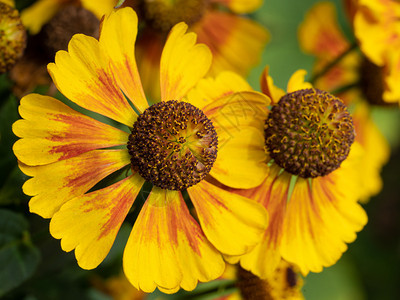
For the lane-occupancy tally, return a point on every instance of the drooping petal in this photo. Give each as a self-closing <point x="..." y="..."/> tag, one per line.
<point x="100" y="7"/>
<point x="83" y="75"/>
<point x="167" y="249"/>
<point x="240" y="6"/>
<point x="272" y="193"/>
<point x="296" y="81"/>
<point x="117" y="38"/>
<point x="241" y="160"/>
<point x="90" y="223"/>
<point x="268" y="87"/>
<point x="183" y="63"/>
<point x="239" y="121"/>
<point x="39" y="13"/>
<point x="236" y="43"/>
<point x="322" y="216"/>
<point x="51" y="131"/>
<point x="376" y="151"/>
<point x="54" y="184"/>
<point x="232" y="223"/>
<point x="211" y="89"/>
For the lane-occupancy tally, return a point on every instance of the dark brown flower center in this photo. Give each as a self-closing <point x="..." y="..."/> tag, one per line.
<point x="12" y="37"/>
<point x="173" y="145"/>
<point x="164" y="14"/>
<point x="309" y="133"/>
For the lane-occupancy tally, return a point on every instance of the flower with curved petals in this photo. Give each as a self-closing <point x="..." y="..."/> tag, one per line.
<point x="172" y="144"/>
<point x="346" y="72"/>
<point x="236" y="42"/>
<point x="310" y="192"/>
<point x="376" y="28"/>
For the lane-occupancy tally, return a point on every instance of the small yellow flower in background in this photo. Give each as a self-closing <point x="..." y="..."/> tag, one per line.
<point x="376" y="28"/>
<point x="173" y="144"/>
<point x="323" y="38"/>
<point x="42" y="11"/>
<point x="236" y="42"/>
<point x="12" y="36"/>
<point x="311" y="191"/>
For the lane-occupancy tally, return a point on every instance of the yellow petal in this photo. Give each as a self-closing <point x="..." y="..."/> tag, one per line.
<point x="232" y="223"/>
<point x="376" y="151"/>
<point x="240" y="6"/>
<point x="99" y="7"/>
<point x="83" y="75"/>
<point x="236" y="43"/>
<point x="319" y="33"/>
<point x="296" y="82"/>
<point x="312" y="238"/>
<point x="239" y="121"/>
<point x="54" y="184"/>
<point x="167" y="249"/>
<point x="90" y="223"/>
<point x="39" y="13"/>
<point x="241" y="160"/>
<point x="183" y="63"/>
<point x="117" y="38"/>
<point x="273" y="192"/>
<point x="210" y="89"/>
<point x="52" y="131"/>
<point x="268" y="87"/>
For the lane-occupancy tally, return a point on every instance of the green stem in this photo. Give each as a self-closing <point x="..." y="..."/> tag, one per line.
<point x="332" y="63"/>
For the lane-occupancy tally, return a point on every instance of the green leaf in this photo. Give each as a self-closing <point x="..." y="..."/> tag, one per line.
<point x="120" y="2"/>
<point x="18" y="257"/>
<point x="11" y="191"/>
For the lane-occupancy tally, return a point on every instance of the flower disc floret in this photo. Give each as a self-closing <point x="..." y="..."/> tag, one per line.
<point x="173" y="145"/>
<point x="162" y="15"/>
<point x="309" y="133"/>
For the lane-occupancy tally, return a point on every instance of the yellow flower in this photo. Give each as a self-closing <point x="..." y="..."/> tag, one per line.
<point x="378" y="33"/>
<point x="172" y="144"/>
<point x="310" y="192"/>
<point x="39" y="13"/>
<point x="235" y="42"/>
<point x="352" y="68"/>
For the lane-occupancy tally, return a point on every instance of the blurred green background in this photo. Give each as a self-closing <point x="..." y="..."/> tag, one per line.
<point x="32" y="265"/>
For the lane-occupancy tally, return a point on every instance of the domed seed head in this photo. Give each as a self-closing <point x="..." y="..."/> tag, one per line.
<point x="165" y="154"/>
<point x="309" y="133"/>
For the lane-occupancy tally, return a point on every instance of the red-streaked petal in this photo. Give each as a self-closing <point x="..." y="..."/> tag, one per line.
<point x="117" y="38"/>
<point x="236" y="43"/>
<point x="268" y="87"/>
<point x="319" y="33"/>
<point x="321" y="218"/>
<point x="83" y="75"/>
<point x="90" y="223"/>
<point x="273" y="193"/>
<point x="54" y="184"/>
<point x="167" y="249"/>
<point x="232" y="223"/>
<point x="183" y="63"/>
<point x="51" y="131"/>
